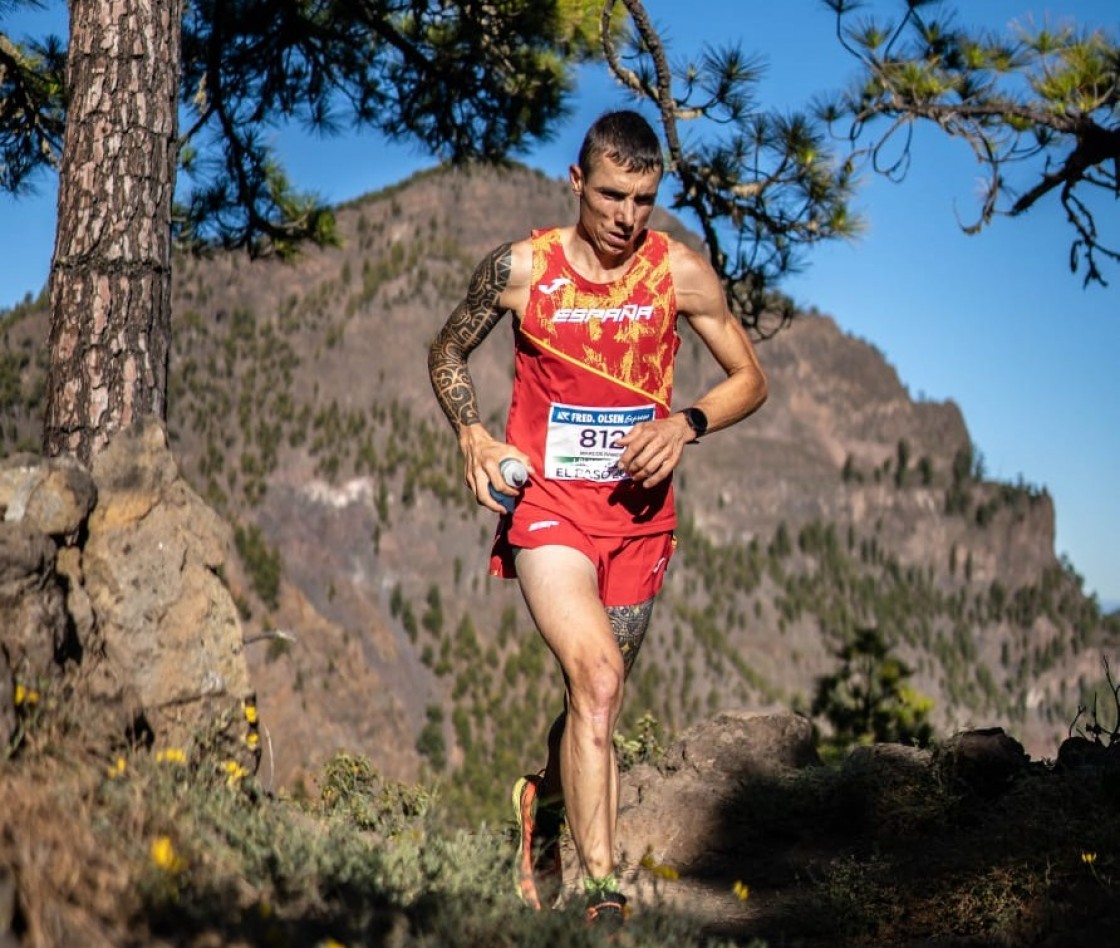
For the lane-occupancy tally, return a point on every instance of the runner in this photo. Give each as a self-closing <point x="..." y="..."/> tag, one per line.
<point x="595" y="309"/>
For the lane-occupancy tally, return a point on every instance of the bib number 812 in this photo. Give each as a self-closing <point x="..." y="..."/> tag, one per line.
<point x="603" y="439"/>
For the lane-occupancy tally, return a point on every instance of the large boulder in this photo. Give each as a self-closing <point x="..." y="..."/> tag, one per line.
<point x="688" y="812"/>
<point x="114" y="578"/>
<point x="44" y="503"/>
<point x="983" y="762"/>
<point x="33" y="620"/>
<point x="55" y="495"/>
<point x="35" y="630"/>
<point x="152" y="571"/>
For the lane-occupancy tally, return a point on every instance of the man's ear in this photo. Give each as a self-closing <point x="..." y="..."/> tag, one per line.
<point x="575" y="178"/>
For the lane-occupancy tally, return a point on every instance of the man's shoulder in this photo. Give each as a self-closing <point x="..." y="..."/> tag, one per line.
<point x="696" y="283"/>
<point x="686" y="262"/>
<point x="547" y="236"/>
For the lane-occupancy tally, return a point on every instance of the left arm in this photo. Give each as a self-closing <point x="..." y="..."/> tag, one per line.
<point x="654" y="448"/>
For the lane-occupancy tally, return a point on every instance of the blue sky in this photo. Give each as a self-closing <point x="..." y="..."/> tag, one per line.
<point x="995" y="322"/>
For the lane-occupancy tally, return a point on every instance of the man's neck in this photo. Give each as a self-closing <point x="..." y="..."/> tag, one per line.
<point x="592" y="265"/>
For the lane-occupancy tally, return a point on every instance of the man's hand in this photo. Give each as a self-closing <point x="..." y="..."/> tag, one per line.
<point x="481" y="456"/>
<point x="654" y="448"/>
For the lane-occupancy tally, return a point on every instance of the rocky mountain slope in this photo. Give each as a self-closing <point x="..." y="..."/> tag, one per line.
<point x="300" y="409"/>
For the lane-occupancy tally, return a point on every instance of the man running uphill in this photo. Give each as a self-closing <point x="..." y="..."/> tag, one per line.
<point x="595" y="309"/>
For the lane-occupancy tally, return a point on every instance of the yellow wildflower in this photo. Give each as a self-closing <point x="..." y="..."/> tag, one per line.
<point x="1088" y="858"/>
<point x="742" y="890"/>
<point x="117" y="768"/>
<point x="234" y="772"/>
<point x="25" y="695"/>
<point x="251" y="713"/>
<point x="164" y="856"/>
<point x="252" y="739"/>
<point x="330" y="943"/>
<point x="660" y="870"/>
<point x="172" y="755"/>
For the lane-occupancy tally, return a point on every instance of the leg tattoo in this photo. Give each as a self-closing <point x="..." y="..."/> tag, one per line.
<point x="629" y="624"/>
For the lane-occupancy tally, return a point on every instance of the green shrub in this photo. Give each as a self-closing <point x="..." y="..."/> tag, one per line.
<point x="263" y="564"/>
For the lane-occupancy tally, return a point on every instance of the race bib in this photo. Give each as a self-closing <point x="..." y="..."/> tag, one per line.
<point x="582" y="441"/>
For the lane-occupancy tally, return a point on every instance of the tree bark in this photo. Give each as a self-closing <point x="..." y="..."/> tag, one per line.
<point x="110" y="284"/>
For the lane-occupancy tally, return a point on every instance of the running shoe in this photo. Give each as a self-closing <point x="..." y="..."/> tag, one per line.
<point x="538" y="854"/>
<point x="606" y="911"/>
<point x="524" y="798"/>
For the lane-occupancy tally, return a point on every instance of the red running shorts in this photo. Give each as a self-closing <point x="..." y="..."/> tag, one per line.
<point x="631" y="569"/>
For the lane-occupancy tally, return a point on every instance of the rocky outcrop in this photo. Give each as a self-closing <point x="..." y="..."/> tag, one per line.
<point x="743" y="799"/>
<point x="684" y="811"/>
<point x="44" y="504"/>
<point x="152" y="572"/>
<point x="111" y="581"/>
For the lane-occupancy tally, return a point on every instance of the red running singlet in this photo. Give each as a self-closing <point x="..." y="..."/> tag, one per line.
<point x="591" y="360"/>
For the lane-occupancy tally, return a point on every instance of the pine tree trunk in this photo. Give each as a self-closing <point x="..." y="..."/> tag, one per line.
<point x="110" y="285"/>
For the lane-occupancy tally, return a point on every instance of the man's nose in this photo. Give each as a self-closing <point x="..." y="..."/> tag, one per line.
<point x="626" y="214"/>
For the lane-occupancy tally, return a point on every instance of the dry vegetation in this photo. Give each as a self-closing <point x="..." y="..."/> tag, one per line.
<point x="127" y="846"/>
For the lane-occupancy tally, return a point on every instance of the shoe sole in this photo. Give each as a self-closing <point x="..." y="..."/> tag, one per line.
<point x="548" y="869"/>
<point x="608" y="917"/>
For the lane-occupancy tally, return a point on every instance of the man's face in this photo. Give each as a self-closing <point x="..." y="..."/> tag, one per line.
<point x="614" y="206"/>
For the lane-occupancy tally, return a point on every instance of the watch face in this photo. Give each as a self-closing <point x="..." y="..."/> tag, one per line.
<point x="697" y="421"/>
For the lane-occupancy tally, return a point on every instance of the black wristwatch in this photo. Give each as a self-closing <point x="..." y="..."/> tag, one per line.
<point x="697" y="421"/>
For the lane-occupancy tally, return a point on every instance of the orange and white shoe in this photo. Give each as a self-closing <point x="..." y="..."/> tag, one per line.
<point x="538" y="851"/>
<point x="524" y="800"/>
<point x="606" y="911"/>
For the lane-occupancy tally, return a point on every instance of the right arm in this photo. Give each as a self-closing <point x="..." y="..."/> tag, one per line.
<point x="492" y="292"/>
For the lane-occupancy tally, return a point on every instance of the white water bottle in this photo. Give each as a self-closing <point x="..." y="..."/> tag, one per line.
<point x="513" y="473"/>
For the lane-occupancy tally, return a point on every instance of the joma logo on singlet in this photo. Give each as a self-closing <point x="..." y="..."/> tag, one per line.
<point x="558" y="284"/>
<point x="615" y="314"/>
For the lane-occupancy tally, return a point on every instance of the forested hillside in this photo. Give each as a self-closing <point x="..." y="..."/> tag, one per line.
<point x="300" y="409"/>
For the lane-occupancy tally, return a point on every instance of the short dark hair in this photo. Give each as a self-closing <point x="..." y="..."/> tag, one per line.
<point x="623" y="137"/>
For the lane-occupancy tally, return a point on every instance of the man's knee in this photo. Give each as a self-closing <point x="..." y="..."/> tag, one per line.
<point x="597" y="689"/>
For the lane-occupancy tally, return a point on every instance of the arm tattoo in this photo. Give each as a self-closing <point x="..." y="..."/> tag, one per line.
<point x="629" y="624"/>
<point x="466" y="327"/>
